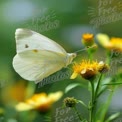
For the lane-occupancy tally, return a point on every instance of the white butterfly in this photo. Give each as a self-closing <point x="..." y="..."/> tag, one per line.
<point x="38" y="56"/>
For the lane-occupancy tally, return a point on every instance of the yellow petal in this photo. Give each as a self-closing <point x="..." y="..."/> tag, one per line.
<point x="103" y="39"/>
<point x="55" y="96"/>
<point x="74" y="75"/>
<point x="23" y="107"/>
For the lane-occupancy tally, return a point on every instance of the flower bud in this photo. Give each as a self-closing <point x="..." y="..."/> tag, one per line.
<point x="70" y="102"/>
<point x="88" y="39"/>
<point x="102" y="67"/>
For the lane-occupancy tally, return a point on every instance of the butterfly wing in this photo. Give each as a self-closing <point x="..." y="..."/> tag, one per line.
<point x="30" y="40"/>
<point x="36" y="65"/>
<point x="38" y="56"/>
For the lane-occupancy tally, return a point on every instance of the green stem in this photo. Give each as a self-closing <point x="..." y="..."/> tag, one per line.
<point x="78" y="114"/>
<point x="90" y="54"/>
<point x="94" y="97"/>
<point x="91" y="110"/>
<point x="98" y="85"/>
<point x="109" y="57"/>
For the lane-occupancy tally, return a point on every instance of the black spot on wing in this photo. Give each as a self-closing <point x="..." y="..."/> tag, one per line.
<point x="26" y="46"/>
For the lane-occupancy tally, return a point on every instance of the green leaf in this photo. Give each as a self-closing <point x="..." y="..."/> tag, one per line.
<point x="101" y="113"/>
<point x="104" y="87"/>
<point x="81" y="102"/>
<point x="112" y="117"/>
<point x="116" y="83"/>
<point x="72" y="86"/>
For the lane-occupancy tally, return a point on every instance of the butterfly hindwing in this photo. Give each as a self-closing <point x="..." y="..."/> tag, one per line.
<point x="35" y="65"/>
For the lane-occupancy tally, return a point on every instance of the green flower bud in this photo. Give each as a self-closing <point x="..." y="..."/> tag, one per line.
<point x="70" y="102"/>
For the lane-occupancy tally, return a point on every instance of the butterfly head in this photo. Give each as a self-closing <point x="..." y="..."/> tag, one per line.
<point x="70" y="58"/>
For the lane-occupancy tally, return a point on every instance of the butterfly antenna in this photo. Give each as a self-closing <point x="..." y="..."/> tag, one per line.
<point x="84" y="49"/>
<point x="80" y="50"/>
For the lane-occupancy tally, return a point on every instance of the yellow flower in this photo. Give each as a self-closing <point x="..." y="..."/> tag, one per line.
<point x="41" y="102"/>
<point x="88" y="39"/>
<point x="16" y="92"/>
<point x="113" y="43"/>
<point x="88" y="69"/>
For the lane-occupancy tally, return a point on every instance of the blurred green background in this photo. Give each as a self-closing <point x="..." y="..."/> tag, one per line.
<point x="63" y="21"/>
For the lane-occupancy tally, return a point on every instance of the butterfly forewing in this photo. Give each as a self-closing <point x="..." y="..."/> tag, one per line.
<point x="29" y="40"/>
